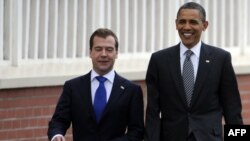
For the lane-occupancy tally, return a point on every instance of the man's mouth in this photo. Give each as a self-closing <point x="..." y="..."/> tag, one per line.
<point x="187" y="34"/>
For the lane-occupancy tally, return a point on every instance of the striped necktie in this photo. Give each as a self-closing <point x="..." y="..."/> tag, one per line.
<point x="188" y="76"/>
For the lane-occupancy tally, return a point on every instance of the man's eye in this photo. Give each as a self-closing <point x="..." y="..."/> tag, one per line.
<point x="194" y="22"/>
<point x="181" y="21"/>
<point x="110" y="49"/>
<point x="98" y="49"/>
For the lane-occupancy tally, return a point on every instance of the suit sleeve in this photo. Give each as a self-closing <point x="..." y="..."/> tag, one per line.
<point x="230" y="97"/>
<point x="61" y="120"/>
<point x="152" y="123"/>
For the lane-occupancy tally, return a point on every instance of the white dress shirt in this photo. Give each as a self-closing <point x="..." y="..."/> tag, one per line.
<point x="194" y="58"/>
<point x="108" y="83"/>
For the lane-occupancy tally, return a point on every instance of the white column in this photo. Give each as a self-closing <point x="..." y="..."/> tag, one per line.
<point x="53" y="28"/>
<point x="33" y="29"/>
<point x="72" y="28"/>
<point x="16" y="25"/>
<point x="135" y="25"/>
<point x="43" y="29"/>
<point x="1" y="29"/>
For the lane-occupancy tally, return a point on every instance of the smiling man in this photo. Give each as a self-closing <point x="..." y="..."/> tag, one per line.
<point x="101" y="105"/>
<point x="191" y="86"/>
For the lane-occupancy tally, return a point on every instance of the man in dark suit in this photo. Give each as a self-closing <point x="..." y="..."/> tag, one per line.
<point x="191" y="86"/>
<point x="122" y="117"/>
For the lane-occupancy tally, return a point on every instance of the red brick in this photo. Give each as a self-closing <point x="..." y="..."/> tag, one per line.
<point x="25" y="112"/>
<point x="3" y="135"/>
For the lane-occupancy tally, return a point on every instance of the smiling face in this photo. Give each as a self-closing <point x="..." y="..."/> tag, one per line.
<point x="103" y="54"/>
<point x="190" y="25"/>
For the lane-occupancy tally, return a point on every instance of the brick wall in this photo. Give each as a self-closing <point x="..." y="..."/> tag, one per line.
<point x="25" y="112"/>
<point x="244" y="86"/>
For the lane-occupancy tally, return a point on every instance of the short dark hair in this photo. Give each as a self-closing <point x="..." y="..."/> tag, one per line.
<point x="193" y="5"/>
<point x="103" y="32"/>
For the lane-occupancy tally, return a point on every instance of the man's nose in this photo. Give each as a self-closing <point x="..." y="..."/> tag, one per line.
<point x="187" y="25"/>
<point x="103" y="53"/>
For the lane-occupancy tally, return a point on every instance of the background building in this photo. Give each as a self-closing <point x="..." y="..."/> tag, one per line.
<point x="45" y="42"/>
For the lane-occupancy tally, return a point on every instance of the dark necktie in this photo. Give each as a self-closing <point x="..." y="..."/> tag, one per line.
<point x="100" y="98"/>
<point x="188" y="76"/>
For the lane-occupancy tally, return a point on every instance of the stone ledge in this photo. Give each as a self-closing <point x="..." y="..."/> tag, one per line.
<point x="54" y="74"/>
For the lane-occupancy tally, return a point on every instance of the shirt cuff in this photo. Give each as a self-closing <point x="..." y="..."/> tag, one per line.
<point x="57" y="135"/>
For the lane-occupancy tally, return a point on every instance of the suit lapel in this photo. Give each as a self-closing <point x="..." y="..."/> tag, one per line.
<point x="176" y="73"/>
<point x="203" y="69"/>
<point x="86" y="94"/>
<point x="117" y="89"/>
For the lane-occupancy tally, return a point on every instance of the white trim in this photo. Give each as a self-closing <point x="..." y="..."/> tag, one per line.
<point x="54" y="74"/>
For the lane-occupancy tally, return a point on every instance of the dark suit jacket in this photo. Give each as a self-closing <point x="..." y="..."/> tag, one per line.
<point x="215" y="95"/>
<point x="122" y="119"/>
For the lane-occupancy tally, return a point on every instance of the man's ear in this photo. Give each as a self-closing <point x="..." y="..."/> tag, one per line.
<point x="205" y="25"/>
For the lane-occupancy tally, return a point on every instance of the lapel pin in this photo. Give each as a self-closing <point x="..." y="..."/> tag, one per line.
<point x="207" y="61"/>
<point x="122" y="87"/>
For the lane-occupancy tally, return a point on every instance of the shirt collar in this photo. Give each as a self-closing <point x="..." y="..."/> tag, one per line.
<point x="110" y="76"/>
<point x="195" y="49"/>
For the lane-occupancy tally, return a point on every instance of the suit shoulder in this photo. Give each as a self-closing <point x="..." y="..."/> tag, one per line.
<point x="127" y="81"/>
<point x="78" y="79"/>
<point x="217" y="50"/>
